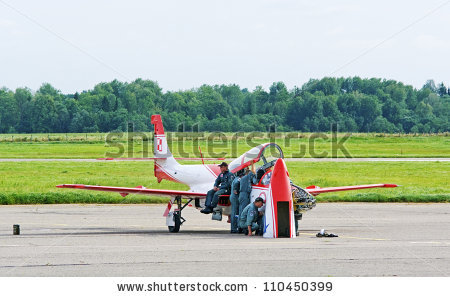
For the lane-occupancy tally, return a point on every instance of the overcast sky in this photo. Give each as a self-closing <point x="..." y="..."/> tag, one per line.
<point x="187" y="43"/>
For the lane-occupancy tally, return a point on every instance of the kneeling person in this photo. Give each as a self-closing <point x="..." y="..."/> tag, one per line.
<point x="250" y="219"/>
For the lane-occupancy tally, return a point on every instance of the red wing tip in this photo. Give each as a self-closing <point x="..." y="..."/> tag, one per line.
<point x="390" y="185"/>
<point x="71" y="186"/>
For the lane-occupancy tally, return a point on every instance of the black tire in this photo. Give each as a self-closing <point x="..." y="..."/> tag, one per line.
<point x="177" y="220"/>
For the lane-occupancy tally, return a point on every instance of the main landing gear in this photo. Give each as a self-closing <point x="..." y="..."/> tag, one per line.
<point x="174" y="219"/>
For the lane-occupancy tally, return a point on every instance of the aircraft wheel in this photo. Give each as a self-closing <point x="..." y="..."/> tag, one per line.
<point x="177" y="220"/>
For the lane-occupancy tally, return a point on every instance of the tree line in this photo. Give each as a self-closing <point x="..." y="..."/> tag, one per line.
<point x="355" y="104"/>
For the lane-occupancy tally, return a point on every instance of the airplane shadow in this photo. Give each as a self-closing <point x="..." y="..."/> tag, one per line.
<point x="98" y="231"/>
<point x="115" y="231"/>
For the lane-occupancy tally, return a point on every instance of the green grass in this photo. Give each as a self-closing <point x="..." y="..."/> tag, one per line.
<point x="358" y="145"/>
<point x="420" y="181"/>
<point x="34" y="182"/>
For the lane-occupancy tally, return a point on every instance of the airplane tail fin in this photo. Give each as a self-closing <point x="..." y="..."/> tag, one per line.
<point x="164" y="160"/>
<point x="160" y="149"/>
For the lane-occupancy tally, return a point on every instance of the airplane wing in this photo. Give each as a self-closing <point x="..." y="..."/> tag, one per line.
<point x="138" y="190"/>
<point x="152" y="159"/>
<point x="315" y="190"/>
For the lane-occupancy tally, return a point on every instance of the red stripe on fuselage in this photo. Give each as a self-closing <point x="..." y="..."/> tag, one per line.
<point x="161" y="174"/>
<point x="260" y="187"/>
<point x="214" y="169"/>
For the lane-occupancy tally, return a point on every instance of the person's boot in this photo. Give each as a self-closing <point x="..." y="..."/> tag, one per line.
<point x="206" y="210"/>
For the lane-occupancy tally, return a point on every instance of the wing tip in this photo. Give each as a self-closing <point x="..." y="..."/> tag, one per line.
<point x="391" y="185"/>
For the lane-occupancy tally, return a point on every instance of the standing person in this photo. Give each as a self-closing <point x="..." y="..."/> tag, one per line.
<point x="222" y="186"/>
<point x="234" y="199"/>
<point x="250" y="219"/>
<point x="245" y="188"/>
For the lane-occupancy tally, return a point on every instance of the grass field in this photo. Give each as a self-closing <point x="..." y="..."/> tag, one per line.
<point x="294" y="146"/>
<point x="34" y="182"/>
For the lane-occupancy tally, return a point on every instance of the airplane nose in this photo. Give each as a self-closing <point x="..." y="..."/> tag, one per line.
<point x="280" y="169"/>
<point x="279" y="209"/>
<point x="280" y="183"/>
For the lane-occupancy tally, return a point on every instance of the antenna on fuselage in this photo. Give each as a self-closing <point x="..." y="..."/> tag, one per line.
<point x="201" y="155"/>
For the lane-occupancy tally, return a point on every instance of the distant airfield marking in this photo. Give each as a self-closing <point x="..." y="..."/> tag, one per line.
<point x="230" y="159"/>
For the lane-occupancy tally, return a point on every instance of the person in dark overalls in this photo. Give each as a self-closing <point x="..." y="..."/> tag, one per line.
<point x="250" y="219"/>
<point x="222" y="186"/>
<point x="245" y="188"/>
<point x="234" y="199"/>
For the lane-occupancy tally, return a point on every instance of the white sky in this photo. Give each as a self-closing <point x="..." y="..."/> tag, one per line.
<point x="187" y="43"/>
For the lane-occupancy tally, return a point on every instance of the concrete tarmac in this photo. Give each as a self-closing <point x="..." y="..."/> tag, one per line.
<point x="132" y="240"/>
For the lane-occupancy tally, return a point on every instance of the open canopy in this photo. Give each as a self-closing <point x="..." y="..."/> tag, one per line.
<point x="261" y="155"/>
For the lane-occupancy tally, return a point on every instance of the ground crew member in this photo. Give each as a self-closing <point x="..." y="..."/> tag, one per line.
<point x="222" y="186"/>
<point x="245" y="188"/>
<point x="234" y="199"/>
<point x="267" y="177"/>
<point x="250" y="219"/>
<point x="261" y="173"/>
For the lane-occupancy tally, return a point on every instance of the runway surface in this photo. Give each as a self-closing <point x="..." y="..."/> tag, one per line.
<point x="132" y="240"/>
<point x="231" y="159"/>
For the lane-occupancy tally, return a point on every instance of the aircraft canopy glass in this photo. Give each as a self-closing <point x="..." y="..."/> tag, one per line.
<point x="260" y="155"/>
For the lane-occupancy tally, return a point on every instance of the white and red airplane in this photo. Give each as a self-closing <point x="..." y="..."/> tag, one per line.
<point x="284" y="202"/>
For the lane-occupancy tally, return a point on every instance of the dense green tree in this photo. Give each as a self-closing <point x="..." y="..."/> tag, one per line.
<point x="294" y="116"/>
<point x="392" y="111"/>
<point x="212" y="104"/>
<point x="83" y="122"/>
<point x="9" y="113"/>
<point x="381" y="124"/>
<point x="44" y="114"/>
<point x="262" y="100"/>
<point x="355" y="104"/>
<point x="369" y="110"/>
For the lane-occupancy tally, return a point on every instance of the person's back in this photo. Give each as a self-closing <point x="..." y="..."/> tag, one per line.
<point x="245" y="188"/>
<point x="234" y="200"/>
<point x="259" y="174"/>
<point x="246" y="182"/>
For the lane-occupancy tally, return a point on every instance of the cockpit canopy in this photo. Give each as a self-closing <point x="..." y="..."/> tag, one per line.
<point x="261" y="155"/>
